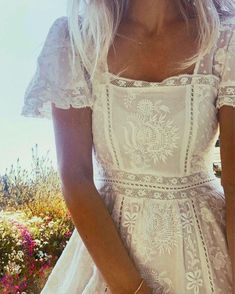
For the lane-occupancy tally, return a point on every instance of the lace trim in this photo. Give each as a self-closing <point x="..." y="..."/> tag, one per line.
<point x="159" y="187"/>
<point x="154" y="181"/>
<point x="226" y="90"/>
<point x="44" y="110"/>
<point x="180" y="80"/>
<point x="122" y="188"/>
<point x="191" y="128"/>
<point x="225" y="101"/>
<point x="226" y="96"/>
<point x="110" y="129"/>
<point x="41" y="93"/>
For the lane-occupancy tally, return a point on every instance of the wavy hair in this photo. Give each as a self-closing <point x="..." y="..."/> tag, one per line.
<point x="93" y="25"/>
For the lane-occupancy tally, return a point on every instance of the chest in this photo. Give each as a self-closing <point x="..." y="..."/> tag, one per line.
<point x="154" y="60"/>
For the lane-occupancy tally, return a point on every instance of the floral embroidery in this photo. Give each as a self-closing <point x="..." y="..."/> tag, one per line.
<point x="194" y="281"/>
<point x="130" y="217"/>
<point x="159" y="281"/>
<point x="180" y="80"/>
<point x="187" y="221"/>
<point x="128" y="100"/>
<point x="153" y="136"/>
<point x="219" y="261"/>
<point x="163" y="228"/>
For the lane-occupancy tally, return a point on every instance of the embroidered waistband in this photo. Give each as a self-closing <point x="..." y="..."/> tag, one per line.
<point x="161" y="187"/>
<point x="154" y="181"/>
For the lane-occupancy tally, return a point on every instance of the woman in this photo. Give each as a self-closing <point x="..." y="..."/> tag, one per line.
<point x="135" y="150"/>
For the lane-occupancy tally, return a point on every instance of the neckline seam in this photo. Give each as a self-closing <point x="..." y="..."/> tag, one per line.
<point x="109" y="74"/>
<point x="199" y="61"/>
<point x="191" y="81"/>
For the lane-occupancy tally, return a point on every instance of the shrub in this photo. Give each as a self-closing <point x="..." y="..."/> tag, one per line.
<point x="35" y="225"/>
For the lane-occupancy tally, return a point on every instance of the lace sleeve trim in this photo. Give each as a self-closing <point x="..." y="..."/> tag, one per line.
<point x="226" y="96"/>
<point x="38" y="97"/>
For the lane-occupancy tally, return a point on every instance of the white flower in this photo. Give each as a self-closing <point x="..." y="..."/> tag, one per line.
<point x="50" y="224"/>
<point x="128" y="100"/>
<point x="194" y="281"/>
<point x="129" y="221"/>
<point x="145" y="107"/>
<point x="187" y="221"/>
<point x="40" y="253"/>
<point x="36" y="219"/>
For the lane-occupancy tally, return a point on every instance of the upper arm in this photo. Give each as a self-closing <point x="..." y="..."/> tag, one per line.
<point x="227" y="144"/>
<point x="225" y="104"/>
<point x="73" y="138"/>
<point x="55" y="87"/>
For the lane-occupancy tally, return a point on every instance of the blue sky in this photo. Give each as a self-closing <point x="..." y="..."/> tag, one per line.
<point x="24" y="25"/>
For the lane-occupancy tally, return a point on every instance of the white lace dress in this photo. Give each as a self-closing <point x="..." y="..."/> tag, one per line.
<point x="153" y="166"/>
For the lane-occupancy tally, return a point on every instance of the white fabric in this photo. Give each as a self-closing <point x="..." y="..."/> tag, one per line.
<point x="153" y="148"/>
<point x="54" y="79"/>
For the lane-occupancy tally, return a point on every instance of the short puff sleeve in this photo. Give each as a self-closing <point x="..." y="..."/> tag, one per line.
<point x="54" y="79"/>
<point x="226" y="90"/>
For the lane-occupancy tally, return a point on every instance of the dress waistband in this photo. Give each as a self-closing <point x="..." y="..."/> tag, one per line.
<point x="161" y="187"/>
<point x="155" y="182"/>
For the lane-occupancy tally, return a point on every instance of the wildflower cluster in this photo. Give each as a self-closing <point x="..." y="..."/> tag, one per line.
<point x="35" y="226"/>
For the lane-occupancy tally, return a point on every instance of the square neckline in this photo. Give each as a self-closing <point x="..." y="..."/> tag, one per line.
<point x="165" y="82"/>
<point x="111" y="77"/>
<point x="117" y="77"/>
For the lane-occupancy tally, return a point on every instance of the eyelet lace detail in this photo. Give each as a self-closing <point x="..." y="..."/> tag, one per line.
<point x="180" y="80"/>
<point x="226" y="96"/>
<point x="159" y="187"/>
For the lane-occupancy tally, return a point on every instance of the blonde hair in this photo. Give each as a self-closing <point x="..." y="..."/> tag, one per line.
<point x="93" y="25"/>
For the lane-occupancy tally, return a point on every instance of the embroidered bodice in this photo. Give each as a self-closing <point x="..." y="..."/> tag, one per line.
<point x="164" y="129"/>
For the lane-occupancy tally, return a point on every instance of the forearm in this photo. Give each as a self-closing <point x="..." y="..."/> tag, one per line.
<point x="230" y="224"/>
<point x="99" y="233"/>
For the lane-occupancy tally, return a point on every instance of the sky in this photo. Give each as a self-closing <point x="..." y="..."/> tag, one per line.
<point x="24" y="25"/>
